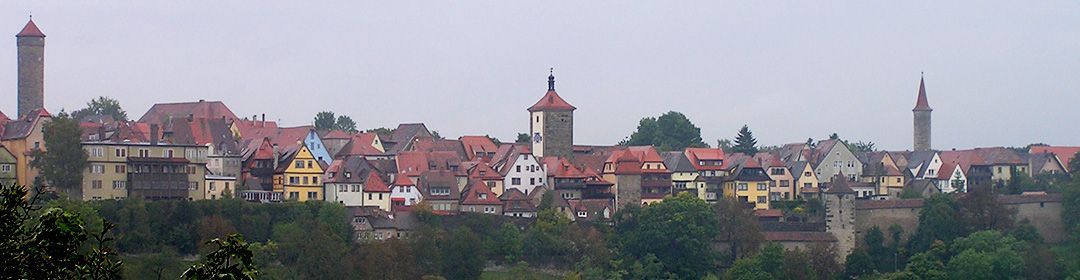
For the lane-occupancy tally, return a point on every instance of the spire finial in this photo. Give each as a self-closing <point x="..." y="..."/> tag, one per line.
<point x="551" y="79"/>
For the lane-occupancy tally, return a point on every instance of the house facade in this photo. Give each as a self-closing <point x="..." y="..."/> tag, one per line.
<point x="298" y="177"/>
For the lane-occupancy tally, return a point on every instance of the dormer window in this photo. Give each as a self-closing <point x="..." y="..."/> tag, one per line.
<point x="583" y="214"/>
<point x="347" y="174"/>
<point x="483" y="196"/>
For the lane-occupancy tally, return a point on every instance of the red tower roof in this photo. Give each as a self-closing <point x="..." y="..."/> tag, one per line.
<point x="551" y="101"/>
<point x="921" y="104"/>
<point x="30" y="30"/>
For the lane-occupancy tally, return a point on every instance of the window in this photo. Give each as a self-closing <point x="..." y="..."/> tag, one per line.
<point x="518" y="168"/>
<point x="120" y="168"/>
<point x="305" y="180"/>
<point x="168" y="153"/>
<point x="808" y="185"/>
<point x="193" y="186"/>
<point x="95" y="184"/>
<point x="5" y="168"/>
<point x="97" y="168"/>
<point x="898" y="180"/>
<point x="777" y="171"/>
<point x="532" y="181"/>
<point x="369" y="196"/>
<point x="761" y="199"/>
<point x="96" y="152"/>
<point x="356" y="188"/>
<point x="347" y="174"/>
<point x="294" y="195"/>
<point x="515" y="181"/>
<point x="144" y="153"/>
<point x="582" y="214"/>
<point x="342" y="188"/>
<point x="309" y="164"/>
<point x="312" y="195"/>
<point x="762" y="186"/>
<point x="294" y="180"/>
<point x="785" y="183"/>
<point x="440" y="191"/>
<point x="315" y="179"/>
<point x="299" y="164"/>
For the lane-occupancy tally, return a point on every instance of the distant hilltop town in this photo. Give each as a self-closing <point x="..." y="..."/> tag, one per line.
<point x="202" y="150"/>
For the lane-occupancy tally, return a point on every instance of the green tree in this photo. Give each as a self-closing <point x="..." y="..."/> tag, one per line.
<point x="325" y="120"/>
<point x="937" y="221"/>
<point x="47" y="243"/>
<point x="986" y="253"/>
<point x="672" y="131"/>
<point x="463" y="255"/>
<point x="345" y="123"/>
<point x="980" y="210"/>
<point x="101" y="106"/>
<point x="523" y="138"/>
<point x="679" y="231"/>
<point x="63" y="161"/>
<point x="860" y="146"/>
<point x="929" y="264"/>
<point x="725" y="145"/>
<point x="738" y="225"/>
<point x="745" y="142"/>
<point x="508" y="243"/>
<point x="231" y="260"/>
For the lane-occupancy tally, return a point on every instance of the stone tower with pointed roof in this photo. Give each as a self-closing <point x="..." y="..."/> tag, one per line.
<point x="551" y="123"/>
<point x="922" y="119"/>
<point x="31" y="44"/>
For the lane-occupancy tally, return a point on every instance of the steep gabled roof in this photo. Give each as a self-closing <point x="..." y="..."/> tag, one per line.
<point x="374" y="183"/>
<point x="1065" y="154"/>
<point x="359" y="144"/>
<point x="479" y="193"/>
<point x="920" y="103"/>
<point x="478" y="144"/>
<point x="30" y="30"/>
<point x="678" y="162"/>
<point x="551" y="102"/>
<point x="21" y="128"/>
<point x="696" y="155"/>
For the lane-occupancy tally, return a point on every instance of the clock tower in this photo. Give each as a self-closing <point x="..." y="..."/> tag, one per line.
<point x="551" y="124"/>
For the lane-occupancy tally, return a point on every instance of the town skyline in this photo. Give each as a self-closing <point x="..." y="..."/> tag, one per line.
<point x="605" y="69"/>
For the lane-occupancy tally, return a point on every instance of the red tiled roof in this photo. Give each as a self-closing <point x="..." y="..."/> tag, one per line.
<point x="402" y="180"/>
<point x="696" y="155"/>
<point x="336" y="134"/>
<point x="4" y="117"/>
<point x="479" y="194"/>
<point x="1065" y="153"/>
<point x="551" y="101"/>
<point x="560" y="167"/>
<point x="921" y="104"/>
<point x="30" y="30"/>
<point x="374" y="183"/>
<point x="482" y="171"/>
<point x="768" y="160"/>
<point x="361" y="144"/>
<point x="160" y="112"/>
<point x="478" y="144"/>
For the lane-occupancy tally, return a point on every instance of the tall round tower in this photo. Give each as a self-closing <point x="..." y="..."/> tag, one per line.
<point x="31" y="43"/>
<point x="922" y="119"/>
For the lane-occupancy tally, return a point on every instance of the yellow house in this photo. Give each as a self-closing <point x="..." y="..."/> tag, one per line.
<point x="297" y="178"/>
<point x="376" y="192"/>
<point x="749" y="183"/>
<point x="22" y="136"/>
<point x="881" y="170"/>
<point x="149" y="170"/>
<point x="806" y="180"/>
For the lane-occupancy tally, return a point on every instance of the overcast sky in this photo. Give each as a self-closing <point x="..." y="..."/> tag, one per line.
<point x="998" y="73"/>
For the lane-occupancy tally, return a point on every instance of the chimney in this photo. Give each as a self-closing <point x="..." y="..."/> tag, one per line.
<point x="263" y="120"/>
<point x="153" y="134"/>
<point x="101" y="133"/>
<point x="190" y="117"/>
<point x="276" y="155"/>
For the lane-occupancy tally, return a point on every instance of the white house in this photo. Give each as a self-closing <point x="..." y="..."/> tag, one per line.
<point x="924" y="164"/>
<point x="523" y="172"/>
<point x="834" y="157"/>
<point x="343" y="184"/>
<point x="951" y="178"/>
<point x="404" y="192"/>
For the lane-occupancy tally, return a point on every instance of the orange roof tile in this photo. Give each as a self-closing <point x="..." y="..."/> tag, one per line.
<point x="374" y="183"/>
<point x="1065" y="153"/>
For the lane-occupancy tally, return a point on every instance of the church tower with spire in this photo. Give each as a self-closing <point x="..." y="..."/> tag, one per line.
<point x="31" y="47"/>
<point x="922" y="119"/>
<point x="551" y="123"/>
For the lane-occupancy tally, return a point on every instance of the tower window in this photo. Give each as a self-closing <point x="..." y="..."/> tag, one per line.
<point x="537" y="118"/>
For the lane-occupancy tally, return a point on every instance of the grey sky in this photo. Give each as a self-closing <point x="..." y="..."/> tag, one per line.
<point x="998" y="72"/>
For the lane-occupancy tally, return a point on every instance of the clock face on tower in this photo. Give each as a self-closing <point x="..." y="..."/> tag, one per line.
<point x="537" y="138"/>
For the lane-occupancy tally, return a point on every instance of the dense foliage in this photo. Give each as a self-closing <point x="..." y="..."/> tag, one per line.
<point x="672" y="131"/>
<point x="745" y="142"/>
<point x="326" y="120"/>
<point x="101" y="106"/>
<point x="63" y="161"/>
